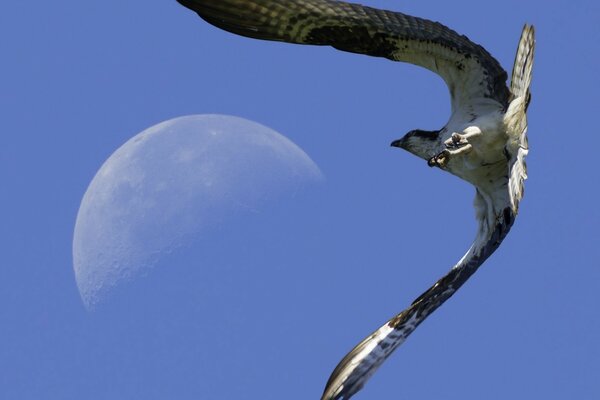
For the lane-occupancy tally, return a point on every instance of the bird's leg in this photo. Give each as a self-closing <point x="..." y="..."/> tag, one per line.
<point x="441" y="159"/>
<point x="458" y="140"/>
<point x="456" y="145"/>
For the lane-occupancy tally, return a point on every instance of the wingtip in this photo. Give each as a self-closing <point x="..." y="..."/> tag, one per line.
<point x="529" y="30"/>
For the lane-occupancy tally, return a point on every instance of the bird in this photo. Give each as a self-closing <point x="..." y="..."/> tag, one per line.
<point x="484" y="141"/>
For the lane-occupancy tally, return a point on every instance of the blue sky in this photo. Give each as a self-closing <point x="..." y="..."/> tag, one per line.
<point x="267" y="307"/>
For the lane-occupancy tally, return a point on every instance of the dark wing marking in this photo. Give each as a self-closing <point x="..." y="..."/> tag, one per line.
<point x="467" y="68"/>
<point x="361" y="363"/>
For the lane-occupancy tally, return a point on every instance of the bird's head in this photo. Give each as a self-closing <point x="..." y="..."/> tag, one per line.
<point x="423" y="144"/>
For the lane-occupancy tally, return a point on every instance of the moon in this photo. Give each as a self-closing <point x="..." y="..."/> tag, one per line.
<point x="175" y="180"/>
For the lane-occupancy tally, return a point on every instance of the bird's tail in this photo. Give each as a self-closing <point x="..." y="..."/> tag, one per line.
<point x="521" y="74"/>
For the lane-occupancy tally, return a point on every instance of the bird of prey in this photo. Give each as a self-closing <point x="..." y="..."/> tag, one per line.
<point x="484" y="141"/>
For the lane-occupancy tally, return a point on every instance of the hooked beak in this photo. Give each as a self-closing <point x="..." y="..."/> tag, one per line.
<point x="398" y="143"/>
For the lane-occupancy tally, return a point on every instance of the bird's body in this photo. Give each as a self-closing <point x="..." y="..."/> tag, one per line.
<point x="484" y="141"/>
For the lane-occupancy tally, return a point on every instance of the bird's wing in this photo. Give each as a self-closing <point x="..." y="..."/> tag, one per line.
<point x="359" y="364"/>
<point x="515" y="118"/>
<point x="467" y="68"/>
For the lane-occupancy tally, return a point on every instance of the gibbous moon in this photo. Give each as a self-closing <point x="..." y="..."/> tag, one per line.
<point x="174" y="180"/>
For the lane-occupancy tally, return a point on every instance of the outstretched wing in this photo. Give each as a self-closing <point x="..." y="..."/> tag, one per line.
<point x="361" y="363"/>
<point x="467" y="68"/>
<point x="516" y="115"/>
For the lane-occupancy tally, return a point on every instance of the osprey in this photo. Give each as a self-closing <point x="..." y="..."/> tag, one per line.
<point x="484" y="141"/>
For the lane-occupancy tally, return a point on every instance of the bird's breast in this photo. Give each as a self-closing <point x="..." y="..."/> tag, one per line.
<point x="486" y="161"/>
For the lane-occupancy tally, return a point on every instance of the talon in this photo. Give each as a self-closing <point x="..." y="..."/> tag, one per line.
<point x="440" y="160"/>
<point x="456" y="138"/>
<point x="456" y="141"/>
